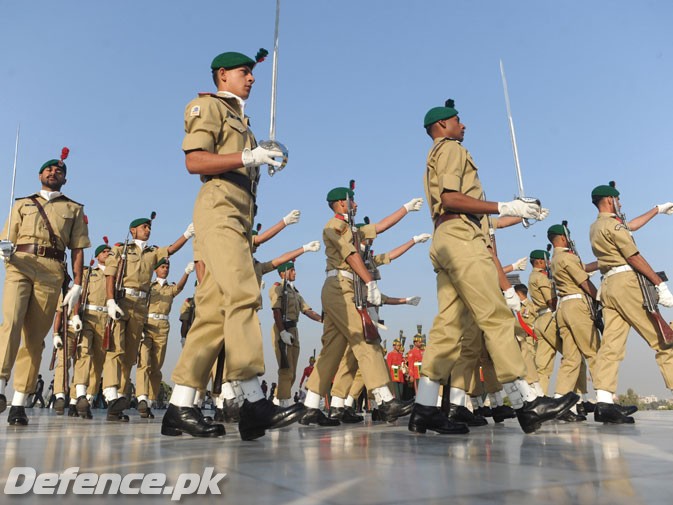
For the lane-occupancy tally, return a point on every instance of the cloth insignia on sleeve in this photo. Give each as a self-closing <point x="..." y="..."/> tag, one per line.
<point x="195" y="111"/>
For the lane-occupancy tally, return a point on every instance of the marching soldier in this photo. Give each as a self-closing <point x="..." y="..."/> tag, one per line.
<point x="397" y="367"/>
<point x="130" y="313"/>
<point x="42" y="226"/>
<point x="308" y="370"/>
<point x="618" y="260"/>
<point x="468" y="280"/>
<point x="155" y="331"/>
<point x="415" y="361"/>
<point x="221" y="149"/>
<point x="187" y="312"/>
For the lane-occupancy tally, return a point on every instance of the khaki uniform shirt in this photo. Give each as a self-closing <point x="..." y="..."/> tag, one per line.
<point x="611" y="242"/>
<point x="528" y="312"/>
<point x="97" y="295"/>
<point x="139" y="265"/>
<point x="262" y="268"/>
<point x="186" y="310"/>
<point x="568" y="272"/>
<point x="65" y="216"/>
<point x="540" y="289"/>
<point x="338" y="239"/>
<point x="295" y="302"/>
<point x="161" y="297"/>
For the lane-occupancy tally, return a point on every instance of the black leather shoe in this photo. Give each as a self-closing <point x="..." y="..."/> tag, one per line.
<point x="610" y="413"/>
<point x="17" y="416"/>
<point x="72" y="410"/>
<point x="584" y="408"/>
<point x="232" y="411"/>
<point x="263" y="415"/>
<point x="502" y="412"/>
<point x="219" y="416"/>
<point x="425" y="418"/>
<point x="206" y="419"/>
<point x="186" y="419"/>
<point x="391" y="410"/>
<point x="315" y="416"/>
<point x="460" y="414"/>
<point x="533" y="414"/>
<point x="144" y="410"/>
<point x="571" y="417"/>
<point x="3" y="403"/>
<point x="83" y="408"/>
<point x="115" y="410"/>
<point x="627" y="410"/>
<point x="350" y="417"/>
<point x="376" y="416"/>
<point x="484" y="411"/>
<point x="59" y="406"/>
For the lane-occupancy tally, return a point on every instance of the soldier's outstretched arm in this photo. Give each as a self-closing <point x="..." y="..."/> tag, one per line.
<point x="394" y="218"/>
<point x="182" y="240"/>
<point x="640" y="221"/>
<point x="292" y="255"/>
<point x="292" y="218"/>
<point x="183" y="280"/>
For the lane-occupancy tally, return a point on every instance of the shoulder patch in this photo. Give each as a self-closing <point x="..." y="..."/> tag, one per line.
<point x="195" y="111"/>
<point x="619" y="226"/>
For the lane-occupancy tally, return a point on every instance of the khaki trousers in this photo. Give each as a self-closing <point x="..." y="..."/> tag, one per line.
<point x="579" y="337"/>
<point x="345" y="375"/>
<point x="152" y="357"/>
<point x="286" y="376"/>
<point x="93" y="333"/>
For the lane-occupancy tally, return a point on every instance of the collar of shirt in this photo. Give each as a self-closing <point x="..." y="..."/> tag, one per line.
<point x="240" y="101"/>
<point x="142" y="244"/>
<point x="561" y="249"/>
<point x="161" y="281"/>
<point x="342" y="217"/>
<point x="49" y="195"/>
<point x="102" y="267"/>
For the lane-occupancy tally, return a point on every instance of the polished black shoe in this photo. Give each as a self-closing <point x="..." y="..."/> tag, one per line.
<point x="115" y="410"/>
<point x="232" y="411"/>
<point x="425" y="418"/>
<point x="484" y="411"/>
<point x="83" y="408"/>
<point x="219" y="416"/>
<point x="186" y="419"/>
<point x="376" y="416"/>
<point x="263" y="415"/>
<point x="570" y="417"/>
<point x="533" y="414"/>
<point x="610" y="413"/>
<point x="502" y="412"/>
<point x="391" y="410"/>
<point x="460" y="414"/>
<point x="627" y="410"/>
<point x="17" y="416"/>
<point x="584" y="408"/>
<point x="346" y="415"/>
<point x="316" y="416"/>
<point x="3" y="403"/>
<point x="206" y="419"/>
<point x="144" y="410"/>
<point x="59" y="406"/>
<point x="72" y="410"/>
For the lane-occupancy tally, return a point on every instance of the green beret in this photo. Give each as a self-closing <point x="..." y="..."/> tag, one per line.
<point x="139" y="221"/>
<point x="556" y="229"/>
<point x="232" y="60"/>
<point x="284" y="267"/>
<point x="50" y="163"/>
<point x="255" y="232"/>
<point x="539" y="254"/>
<point x="162" y="261"/>
<point x="337" y="194"/>
<point x="101" y="248"/>
<point x="604" y="190"/>
<point x="438" y="113"/>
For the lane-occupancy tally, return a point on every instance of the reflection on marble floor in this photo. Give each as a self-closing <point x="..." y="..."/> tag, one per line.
<point x="366" y="464"/>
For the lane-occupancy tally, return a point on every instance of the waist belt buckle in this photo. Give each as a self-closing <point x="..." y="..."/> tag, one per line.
<point x="41" y="251"/>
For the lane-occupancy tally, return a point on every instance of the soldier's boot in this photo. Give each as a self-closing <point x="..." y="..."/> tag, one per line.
<point x="611" y="414"/>
<point x="316" y="416"/>
<point x="17" y="416"/>
<point x="232" y="411"/>
<point x="571" y="417"/>
<point x="256" y="417"/>
<point x="83" y="408"/>
<point x="534" y="413"/>
<point x="3" y="403"/>
<point x="144" y="410"/>
<point x="188" y="420"/>
<point x="350" y="417"/>
<point x="206" y="419"/>
<point x="392" y="409"/>
<point x="485" y="411"/>
<point x="461" y="414"/>
<point x="627" y="410"/>
<point x="115" y="410"/>
<point x="72" y="410"/>
<point x="502" y="412"/>
<point x="59" y="406"/>
<point x="425" y="418"/>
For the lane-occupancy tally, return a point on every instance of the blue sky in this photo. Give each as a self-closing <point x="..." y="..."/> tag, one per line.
<point x="589" y="86"/>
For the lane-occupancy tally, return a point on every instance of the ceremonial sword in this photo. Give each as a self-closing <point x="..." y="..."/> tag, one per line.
<point x="6" y="245"/>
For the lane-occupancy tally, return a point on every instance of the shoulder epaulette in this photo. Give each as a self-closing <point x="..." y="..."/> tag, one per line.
<point x="71" y="200"/>
<point x="26" y="197"/>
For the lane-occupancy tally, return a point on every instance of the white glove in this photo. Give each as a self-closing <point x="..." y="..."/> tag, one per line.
<point x="413" y="300"/>
<point x="665" y="296"/>
<point x="189" y="232"/>
<point x="665" y="208"/>
<point x="423" y="237"/>
<point x="414" y="205"/>
<point x="72" y="296"/>
<point x="189" y="268"/>
<point x="260" y="156"/>
<point x="373" y="293"/>
<point x="286" y="337"/>
<point x="520" y="264"/>
<point x="543" y="214"/>
<point x="519" y="208"/>
<point x="6" y="249"/>
<point x="512" y="299"/>
<point x="292" y="217"/>
<point x="58" y="342"/>
<point x="113" y="310"/>
<point x="76" y="323"/>
<point x="313" y="246"/>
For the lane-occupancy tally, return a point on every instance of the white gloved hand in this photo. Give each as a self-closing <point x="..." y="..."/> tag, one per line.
<point x="665" y="296"/>
<point x="414" y="205"/>
<point x="6" y="249"/>
<point x="72" y="296"/>
<point x="413" y="300"/>
<point x="286" y="337"/>
<point x="113" y="310"/>
<point x="189" y="232"/>
<point x="58" y="342"/>
<point x="519" y="208"/>
<point x="313" y="246"/>
<point x="189" y="268"/>
<point x="512" y="299"/>
<point x="292" y="217"/>
<point x="260" y="156"/>
<point x="543" y="214"/>
<point x="76" y="323"/>
<point x="665" y="208"/>
<point x="423" y="237"/>
<point x="373" y="293"/>
<point x="520" y="264"/>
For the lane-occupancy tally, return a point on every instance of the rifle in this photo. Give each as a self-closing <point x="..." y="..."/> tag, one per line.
<point x="219" y="372"/>
<point x="650" y="296"/>
<point x="282" y="346"/>
<point x="82" y="307"/>
<point x="403" y="339"/>
<point x="369" y="329"/>
<point x="594" y="309"/>
<point x="119" y="293"/>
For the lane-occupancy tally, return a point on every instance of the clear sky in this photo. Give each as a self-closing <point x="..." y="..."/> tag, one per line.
<point x="590" y="87"/>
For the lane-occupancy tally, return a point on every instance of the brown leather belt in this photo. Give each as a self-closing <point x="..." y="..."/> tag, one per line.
<point x="448" y="216"/>
<point x="290" y="324"/>
<point x="240" y="180"/>
<point x="42" y="251"/>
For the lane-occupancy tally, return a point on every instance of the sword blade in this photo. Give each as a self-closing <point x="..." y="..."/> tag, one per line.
<point x="11" y="197"/>
<point x="512" y="133"/>
<point x="274" y="76"/>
